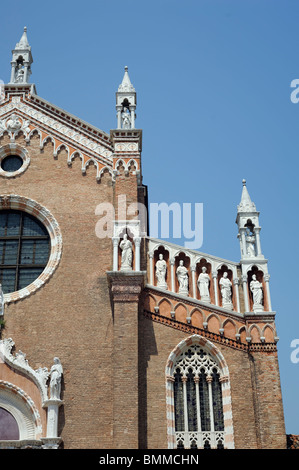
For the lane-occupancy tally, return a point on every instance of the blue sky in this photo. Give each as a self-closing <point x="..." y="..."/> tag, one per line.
<point x="213" y="82"/>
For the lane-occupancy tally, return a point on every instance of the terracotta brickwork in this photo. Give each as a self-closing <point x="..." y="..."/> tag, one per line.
<point x="70" y="316"/>
<point x="113" y="331"/>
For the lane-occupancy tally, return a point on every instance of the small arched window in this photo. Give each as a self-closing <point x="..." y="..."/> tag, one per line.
<point x="197" y="399"/>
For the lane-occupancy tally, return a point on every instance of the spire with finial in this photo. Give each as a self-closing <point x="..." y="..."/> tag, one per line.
<point x="23" y="43"/>
<point x="21" y="61"/>
<point x="246" y="204"/>
<point x="248" y="225"/>
<point x="126" y="103"/>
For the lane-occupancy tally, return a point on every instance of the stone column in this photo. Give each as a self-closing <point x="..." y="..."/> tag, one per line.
<point x="245" y="291"/>
<point x="236" y="292"/>
<point x="172" y="274"/>
<point x="243" y="241"/>
<point x="267" y="279"/>
<point x="132" y="111"/>
<point x="118" y="109"/>
<point x="13" y="72"/>
<point x="151" y="267"/>
<point x="258" y="240"/>
<point x="115" y="241"/>
<point x="193" y="271"/>
<point x="214" y="276"/>
<point x="52" y="439"/>
<point x="137" y="242"/>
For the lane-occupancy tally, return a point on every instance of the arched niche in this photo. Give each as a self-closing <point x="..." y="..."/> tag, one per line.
<point x="162" y="251"/>
<point x="220" y="273"/>
<point x="258" y="273"/>
<point x="185" y="259"/>
<point x="130" y="237"/>
<point x="199" y="265"/>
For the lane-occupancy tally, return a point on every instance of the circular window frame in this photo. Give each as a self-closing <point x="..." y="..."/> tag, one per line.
<point x="15" y="202"/>
<point x="14" y="149"/>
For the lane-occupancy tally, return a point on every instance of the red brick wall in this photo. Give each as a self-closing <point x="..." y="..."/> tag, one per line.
<point x="70" y="317"/>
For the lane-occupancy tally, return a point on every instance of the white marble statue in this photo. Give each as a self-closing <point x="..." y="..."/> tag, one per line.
<point x="182" y="275"/>
<point x="250" y="244"/>
<point x="161" y="269"/>
<point x="256" y="288"/>
<point x="19" y="74"/>
<point x="126" y="120"/>
<point x="203" y="283"/>
<point x="127" y="254"/>
<point x="55" y="379"/>
<point x="226" y="291"/>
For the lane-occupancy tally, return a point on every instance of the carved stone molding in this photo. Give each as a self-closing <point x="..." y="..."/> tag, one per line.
<point x="126" y="286"/>
<point x="14" y="149"/>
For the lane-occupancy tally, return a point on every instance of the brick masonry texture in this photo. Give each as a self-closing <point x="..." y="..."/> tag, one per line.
<point x="113" y="357"/>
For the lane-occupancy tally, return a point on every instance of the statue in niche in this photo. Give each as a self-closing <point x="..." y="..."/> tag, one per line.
<point x="127" y="254"/>
<point x="250" y="243"/>
<point x="19" y="74"/>
<point x="126" y="120"/>
<point x="226" y="291"/>
<point x="182" y="275"/>
<point x="55" y="379"/>
<point x="161" y="269"/>
<point x="256" y="288"/>
<point x="203" y="283"/>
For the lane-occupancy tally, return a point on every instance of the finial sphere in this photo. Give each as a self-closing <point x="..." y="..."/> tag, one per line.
<point x="244" y="182"/>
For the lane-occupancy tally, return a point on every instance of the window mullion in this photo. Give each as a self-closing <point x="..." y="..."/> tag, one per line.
<point x="184" y="380"/>
<point x="196" y="380"/>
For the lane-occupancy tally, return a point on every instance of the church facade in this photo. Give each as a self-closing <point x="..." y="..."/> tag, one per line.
<point x="112" y="339"/>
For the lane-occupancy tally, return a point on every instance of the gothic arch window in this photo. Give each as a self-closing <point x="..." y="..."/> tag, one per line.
<point x="198" y="388"/>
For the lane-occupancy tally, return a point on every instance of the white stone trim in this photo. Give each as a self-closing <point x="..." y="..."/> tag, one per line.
<point x="23" y="409"/>
<point x="14" y="149"/>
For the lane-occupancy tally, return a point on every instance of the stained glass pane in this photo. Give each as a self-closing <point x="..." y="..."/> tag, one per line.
<point x="204" y="403"/>
<point x="8" y="279"/>
<point x="178" y="402"/>
<point x="41" y="253"/>
<point x="11" y="163"/>
<point x="191" y="403"/>
<point x="217" y="403"/>
<point x="27" y="276"/>
<point x="10" y="252"/>
<point x="23" y="243"/>
<point x="3" y="220"/>
<point x="13" y="224"/>
<point x="27" y="252"/>
<point x="33" y="228"/>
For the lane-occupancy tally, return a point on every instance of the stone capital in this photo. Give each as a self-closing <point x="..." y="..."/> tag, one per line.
<point x="126" y="286"/>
